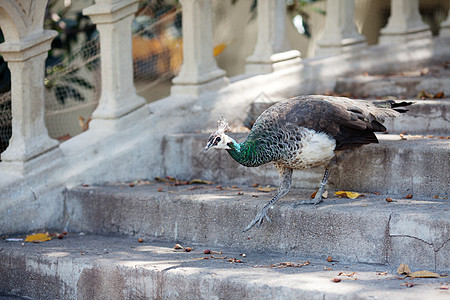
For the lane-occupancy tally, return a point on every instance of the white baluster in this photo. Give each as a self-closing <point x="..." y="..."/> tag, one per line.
<point x="25" y="49"/>
<point x="405" y="23"/>
<point x="271" y="49"/>
<point x="199" y="72"/>
<point x="119" y="105"/>
<point x="340" y="34"/>
<point x="445" y="26"/>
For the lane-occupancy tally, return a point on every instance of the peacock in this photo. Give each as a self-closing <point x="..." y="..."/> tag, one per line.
<point x="305" y="132"/>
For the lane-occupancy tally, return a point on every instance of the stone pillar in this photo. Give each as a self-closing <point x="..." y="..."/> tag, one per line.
<point x="445" y="26"/>
<point x="119" y="105"/>
<point x="199" y="72"/>
<point x="340" y="34"/>
<point x="26" y="61"/>
<point x="405" y="23"/>
<point x="271" y="49"/>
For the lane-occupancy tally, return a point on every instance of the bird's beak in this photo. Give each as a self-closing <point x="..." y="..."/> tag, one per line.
<point x="209" y="145"/>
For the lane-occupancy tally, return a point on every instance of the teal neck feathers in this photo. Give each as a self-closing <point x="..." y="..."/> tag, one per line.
<point x="248" y="153"/>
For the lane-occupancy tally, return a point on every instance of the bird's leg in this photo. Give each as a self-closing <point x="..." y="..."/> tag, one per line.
<point x="285" y="185"/>
<point x="318" y="198"/>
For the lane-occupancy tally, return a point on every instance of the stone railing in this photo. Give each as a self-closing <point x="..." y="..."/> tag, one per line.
<point x="26" y="45"/>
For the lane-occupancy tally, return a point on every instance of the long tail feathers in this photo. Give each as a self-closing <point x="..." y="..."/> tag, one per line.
<point x="397" y="106"/>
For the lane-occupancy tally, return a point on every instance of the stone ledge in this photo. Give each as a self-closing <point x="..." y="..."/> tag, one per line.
<point x="114" y="267"/>
<point x="366" y="230"/>
<point x="419" y="167"/>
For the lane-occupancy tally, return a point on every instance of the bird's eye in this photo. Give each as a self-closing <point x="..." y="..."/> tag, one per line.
<point x="218" y="139"/>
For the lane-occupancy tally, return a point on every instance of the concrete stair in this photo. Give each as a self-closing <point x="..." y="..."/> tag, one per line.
<point x="432" y="80"/>
<point x="419" y="165"/>
<point x="367" y="235"/>
<point x="118" y="267"/>
<point x="430" y="116"/>
<point x="366" y="230"/>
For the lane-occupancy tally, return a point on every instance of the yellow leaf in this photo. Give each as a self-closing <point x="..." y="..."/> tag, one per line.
<point x="403" y="269"/>
<point x="200" y="181"/>
<point x="347" y="194"/>
<point x="38" y="237"/>
<point x="219" y="49"/>
<point x="424" y="274"/>
<point x="266" y="189"/>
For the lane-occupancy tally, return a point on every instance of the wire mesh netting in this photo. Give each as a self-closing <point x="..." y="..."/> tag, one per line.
<point x="73" y="76"/>
<point x="5" y="120"/>
<point x="73" y="85"/>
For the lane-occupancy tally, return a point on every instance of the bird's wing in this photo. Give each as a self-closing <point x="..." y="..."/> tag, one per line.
<point x="349" y="122"/>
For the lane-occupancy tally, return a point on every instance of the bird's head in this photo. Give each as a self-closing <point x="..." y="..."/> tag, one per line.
<point x="219" y="139"/>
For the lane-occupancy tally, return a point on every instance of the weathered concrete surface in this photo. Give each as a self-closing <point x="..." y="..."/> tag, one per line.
<point x="108" y="156"/>
<point x="117" y="267"/>
<point x="423" y="117"/>
<point x="399" y="85"/>
<point x="419" y="167"/>
<point x="369" y="230"/>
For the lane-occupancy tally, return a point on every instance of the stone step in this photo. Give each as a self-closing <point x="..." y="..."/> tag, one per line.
<point x="423" y="117"/>
<point x="418" y="166"/>
<point x="367" y="230"/>
<point x="394" y="85"/>
<point x="118" y="267"/>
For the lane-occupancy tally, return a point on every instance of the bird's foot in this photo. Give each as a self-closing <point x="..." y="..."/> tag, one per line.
<point x="259" y="219"/>
<point x="314" y="201"/>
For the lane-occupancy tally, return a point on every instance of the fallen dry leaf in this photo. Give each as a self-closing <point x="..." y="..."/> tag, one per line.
<point x="439" y="95"/>
<point x="38" y="237"/>
<point x="424" y="95"/>
<point x="266" y="189"/>
<point x="347" y="194"/>
<point x="408" y="284"/>
<point x="285" y="265"/>
<point x="235" y="260"/>
<point x="200" y="181"/>
<point x="178" y="246"/>
<point x="403" y="269"/>
<point x="200" y="258"/>
<point x="424" y="274"/>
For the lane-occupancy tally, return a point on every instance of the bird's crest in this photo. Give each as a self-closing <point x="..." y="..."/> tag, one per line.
<point x="222" y="125"/>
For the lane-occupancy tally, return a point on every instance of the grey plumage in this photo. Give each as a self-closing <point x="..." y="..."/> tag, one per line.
<point x="305" y="132"/>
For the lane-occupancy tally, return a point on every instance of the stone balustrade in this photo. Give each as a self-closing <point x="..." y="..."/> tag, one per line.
<point x="26" y="45"/>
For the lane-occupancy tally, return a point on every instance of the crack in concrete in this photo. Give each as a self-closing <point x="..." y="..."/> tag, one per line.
<point x="442" y="246"/>
<point x="413" y="237"/>
<point x="423" y="241"/>
<point x="32" y="191"/>
<point x="387" y="243"/>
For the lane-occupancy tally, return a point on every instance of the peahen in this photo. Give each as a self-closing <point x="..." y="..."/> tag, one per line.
<point x="305" y="132"/>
